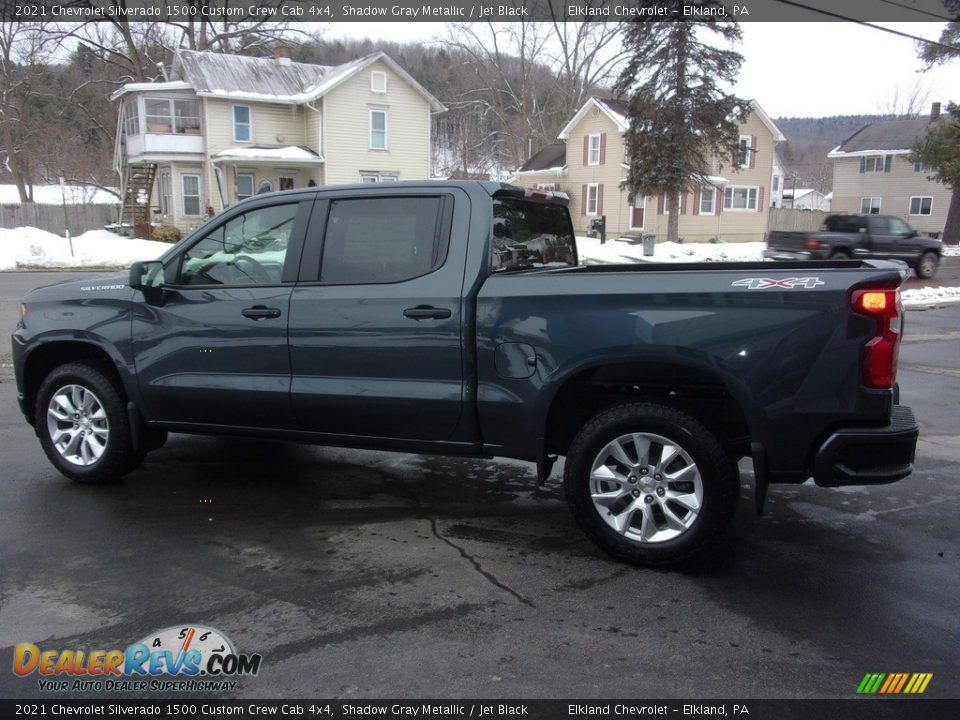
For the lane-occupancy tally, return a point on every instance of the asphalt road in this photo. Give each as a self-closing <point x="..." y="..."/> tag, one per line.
<point x="360" y="574"/>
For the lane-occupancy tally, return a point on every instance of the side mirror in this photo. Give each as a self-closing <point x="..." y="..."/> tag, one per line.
<point x="912" y="234"/>
<point x="146" y="275"/>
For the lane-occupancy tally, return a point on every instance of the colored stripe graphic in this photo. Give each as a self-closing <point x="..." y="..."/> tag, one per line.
<point x="894" y="683"/>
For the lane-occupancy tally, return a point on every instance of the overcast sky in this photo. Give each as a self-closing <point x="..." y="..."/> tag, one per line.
<point x="792" y="69"/>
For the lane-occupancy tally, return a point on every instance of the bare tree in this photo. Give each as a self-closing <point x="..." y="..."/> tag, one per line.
<point x="587" y="55"/>
<point x="25" y="49"/>
<point x="905" y="100"/>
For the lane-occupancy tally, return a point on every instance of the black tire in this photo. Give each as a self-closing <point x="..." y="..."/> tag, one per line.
<point x="118" y="456"/>
<point x="839" y="255"/>
<point x="718" y="478"/>
<point x="927" y="265"/>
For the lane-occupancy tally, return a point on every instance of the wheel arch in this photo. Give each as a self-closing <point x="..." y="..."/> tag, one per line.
<point x="53" y="352"/>
<point x="721" y="402"/>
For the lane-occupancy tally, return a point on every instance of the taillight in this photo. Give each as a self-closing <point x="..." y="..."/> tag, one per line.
<point x="811" y="243"/>
<point x="880" y="353"/>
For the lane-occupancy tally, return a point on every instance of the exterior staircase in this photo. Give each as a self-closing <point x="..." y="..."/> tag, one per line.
<point x="136" y="194"/>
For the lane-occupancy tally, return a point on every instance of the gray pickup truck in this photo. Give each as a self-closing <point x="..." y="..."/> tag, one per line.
<point x="454" y="318"/>
<point x="884" y="237"/>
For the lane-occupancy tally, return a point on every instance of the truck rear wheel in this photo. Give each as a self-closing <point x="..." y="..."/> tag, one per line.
<point x="83" y="427"/>
<point x="927" y="266"/>
<point x="650" y="484"/>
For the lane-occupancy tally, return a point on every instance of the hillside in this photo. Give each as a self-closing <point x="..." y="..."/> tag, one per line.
<point x="809" y="140"/>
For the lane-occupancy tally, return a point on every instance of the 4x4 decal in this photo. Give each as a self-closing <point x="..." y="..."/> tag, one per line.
<point x="763" y="283"/>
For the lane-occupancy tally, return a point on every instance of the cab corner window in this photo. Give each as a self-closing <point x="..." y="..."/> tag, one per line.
<point x="247" y="249"/>
<point x="384" y="239"/>
<point x="531" y="235"/>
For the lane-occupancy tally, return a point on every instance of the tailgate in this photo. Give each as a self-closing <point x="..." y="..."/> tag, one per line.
<point x="787" y="240"/>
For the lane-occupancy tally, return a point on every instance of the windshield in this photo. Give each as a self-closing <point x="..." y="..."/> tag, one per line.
<point x="531" y="235"/>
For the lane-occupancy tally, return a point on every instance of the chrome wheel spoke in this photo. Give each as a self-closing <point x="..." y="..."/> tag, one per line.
<point x="623" y="520"/>
<point x="685" y="500"/>
<point x="642" y="445"/>
<point x="609" y="499"/>
<point x="674" y="522"/>
<point x="649" y="529"/>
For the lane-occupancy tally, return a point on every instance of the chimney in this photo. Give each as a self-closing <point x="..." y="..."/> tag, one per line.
<point x="935" y="112"/>
<point x="282" y="54"/>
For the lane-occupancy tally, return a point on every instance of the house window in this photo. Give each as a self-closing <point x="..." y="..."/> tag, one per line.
<point x="242" y="124"/>
<point x="286" y="183"/>
<point x="165" y="205"/>
<point x="872" y="163"/>
<point x="776" y="183"/>
<point x="740" y="197"/>
<point x="921" y="205"/>
<point x="746" y="142"/>
<point x="168" y="115"/>
<point x="593" y="157"/>
<point x="186" y="117"/>
<point x="870" y="205"/>
<point x="708" y="200"/>
<point x="190" y="186"/>
<point x="378" y="82"/>
<point x="666" y="203"/>
<point x="245" y="183"/>
<point x="545" y="186"/>
<point x="921" y="167"/>
<point x="376" y="177"/>
<point x="592" y="194"/>
<point x="131" y="117"/>
<point x="378" y="129"/>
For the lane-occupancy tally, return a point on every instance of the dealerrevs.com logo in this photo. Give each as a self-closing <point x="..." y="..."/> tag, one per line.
<point x="186" y="658"/>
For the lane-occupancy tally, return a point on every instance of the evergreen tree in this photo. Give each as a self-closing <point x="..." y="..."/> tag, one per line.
<point x="939" y="149"/>
<point x="680" y="118"/>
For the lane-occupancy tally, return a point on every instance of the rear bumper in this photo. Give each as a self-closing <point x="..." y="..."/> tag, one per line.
<point x="786" y="255"/>
<point x="870" y="455"/>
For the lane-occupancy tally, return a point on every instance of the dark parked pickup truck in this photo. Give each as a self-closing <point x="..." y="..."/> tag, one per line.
<point x="885" y="237"/>
<point x="454" y="318"/>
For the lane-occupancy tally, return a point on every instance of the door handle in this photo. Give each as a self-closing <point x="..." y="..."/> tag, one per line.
<point x="260" y="312"/>
<point x="427" y="312"/>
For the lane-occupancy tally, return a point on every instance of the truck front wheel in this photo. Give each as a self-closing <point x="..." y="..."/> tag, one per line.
<point x="650" y="484"/>
<point x="82" y="423"/>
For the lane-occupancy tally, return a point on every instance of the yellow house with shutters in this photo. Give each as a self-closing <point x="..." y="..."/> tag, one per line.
<point x="590" y="163"/>
<point x="223" y="127"/>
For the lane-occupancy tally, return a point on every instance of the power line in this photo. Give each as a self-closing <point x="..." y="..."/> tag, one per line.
<point x="828" y="13"/>
<point x="916" y="10"/>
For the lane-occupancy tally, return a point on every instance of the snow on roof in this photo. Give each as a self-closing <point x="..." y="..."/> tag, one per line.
<point x="611" y="108"/>
<point x="259" y="153"/>
<point x="891" y="137"/>
<point x="52" y="195"/>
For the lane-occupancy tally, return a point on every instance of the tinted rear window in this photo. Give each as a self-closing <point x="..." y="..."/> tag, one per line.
<point x="844" y="223"/>
<point x="531" y="235"/>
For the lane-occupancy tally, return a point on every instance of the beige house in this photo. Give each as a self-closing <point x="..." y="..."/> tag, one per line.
<point x="225" y="127"/>
<point x="591" y="164"/>
<point x="872" y="174"/>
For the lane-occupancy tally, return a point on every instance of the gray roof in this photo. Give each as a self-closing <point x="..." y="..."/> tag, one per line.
<point x="887" y="135"/>
<point x="618" y="106"/>
<point x="218" y="73"/>
<point x="551" y="156"/>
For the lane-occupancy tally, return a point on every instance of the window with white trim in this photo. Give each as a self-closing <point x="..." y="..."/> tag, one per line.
<point x="593" y="190"/>
<point x="921" y="205"/>
<point x="776" y="183"/>
<point x="378" y="129"/>
<point x="545" y="186"/>
<point x="131" y="116"/>
<point x="870" y="206"/>
<point x="242" y="123"/>
<point x="169" y="115"/>
<point x="245" y="185"/>
<point x="593" y="154"/>
<point x="165" y="205"/>
<point x="377" y="177"/>
<point x="378" y="81"/>
<point x="190" y="192"/>
<point x="873" y="163"/>
<point x="666" y="203"/>
<point x="708" y="201"/>
<point x="740" y="197"/>
<point x="746" y="141"/>
<point x="921" y="167"/>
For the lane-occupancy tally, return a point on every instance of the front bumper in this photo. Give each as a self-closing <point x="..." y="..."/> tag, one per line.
<point x="868" y="455"/>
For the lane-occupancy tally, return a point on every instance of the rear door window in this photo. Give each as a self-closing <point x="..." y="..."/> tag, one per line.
<point x="531" y="235"/>
<point x="384" y="239"/>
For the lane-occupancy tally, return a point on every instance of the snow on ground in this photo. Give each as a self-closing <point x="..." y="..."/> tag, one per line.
<point x="951" y="250"/>
<point x="30" y="248"/>
<point x="915" y="297"/>
<point x="616" y="251"/>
